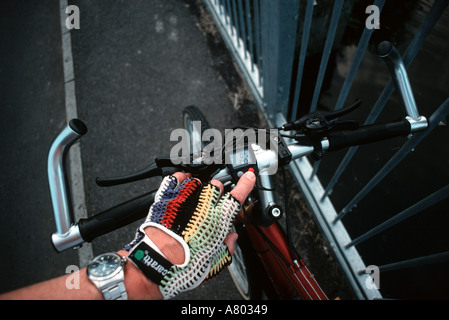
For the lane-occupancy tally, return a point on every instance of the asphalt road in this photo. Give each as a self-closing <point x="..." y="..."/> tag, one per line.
<point x="137" y="64"/>
<point x="32" y="104"/>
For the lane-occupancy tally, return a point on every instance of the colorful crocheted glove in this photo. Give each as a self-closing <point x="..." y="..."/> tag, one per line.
<point x="194" y="215"/>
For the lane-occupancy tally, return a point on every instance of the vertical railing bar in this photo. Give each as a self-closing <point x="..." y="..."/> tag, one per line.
<point x="409" y="55"/>
<point x="326" y="52"/>
<point x="339" y="171"/>
<point x="315" y="169"/>
<point x="249" y="71"/>
<point x="361" y="48"/>
<point x="279" y="27"/>
<point x="302" y="56"/>
<point x="440" y="114"/>
<point x="429" y="201"/>
<point x="257" y="34"/>
<point x="267" y="31"/>
<point x="220" y="4"/>
<point x="242" y="28"/>
<point x="416" y="262"/>
<point x="335" y="18"/>
<point x="228" y="15"/>
<point x="236" y="22"/>
<point x="250" y="32"/>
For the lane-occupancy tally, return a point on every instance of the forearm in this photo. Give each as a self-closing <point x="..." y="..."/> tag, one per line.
<point x="219" y="218"/>
<point x="56" y="289"/>
<point x="137" y="285"/>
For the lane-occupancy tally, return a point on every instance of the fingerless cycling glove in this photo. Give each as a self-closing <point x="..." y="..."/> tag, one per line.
<point x="199" y="220"/>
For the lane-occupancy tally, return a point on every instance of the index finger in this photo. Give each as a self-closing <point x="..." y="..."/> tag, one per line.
<point x="181" y="176"/>
<point x="244" y="186"/>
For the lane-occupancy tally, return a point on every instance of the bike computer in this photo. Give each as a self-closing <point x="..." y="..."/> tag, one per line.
<point x="239" y="160"/>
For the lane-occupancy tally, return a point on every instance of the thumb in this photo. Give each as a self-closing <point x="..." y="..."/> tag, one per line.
<point x="230" y="240"/>
<point x="244" y="186"/>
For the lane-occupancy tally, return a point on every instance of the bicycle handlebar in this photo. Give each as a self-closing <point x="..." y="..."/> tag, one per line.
<point x="66" y="234"/>
<point x="72" y="235"/>
<point x="396" y="66"/>
<point x="123" y="214"/>
<point x="367" y="134"/>
<point x="116" y="217"/>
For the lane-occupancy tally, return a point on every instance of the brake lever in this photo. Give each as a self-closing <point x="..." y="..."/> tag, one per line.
<point x="313" y="127"/>
<point x="321" y="121"/>
<point x="162" y="166"/>
<point x="151" y="171"/>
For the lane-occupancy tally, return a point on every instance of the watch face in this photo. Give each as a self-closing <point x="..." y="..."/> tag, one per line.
<point x="104" y="265"/>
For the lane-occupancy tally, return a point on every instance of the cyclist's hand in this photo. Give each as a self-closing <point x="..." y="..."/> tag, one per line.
<point x="199" y="219"/>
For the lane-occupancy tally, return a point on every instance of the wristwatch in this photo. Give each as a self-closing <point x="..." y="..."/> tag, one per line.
<point x="107" y="273"/>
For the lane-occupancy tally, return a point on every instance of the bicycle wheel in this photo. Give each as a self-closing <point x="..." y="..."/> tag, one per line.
<point x="245" y="270"/>
<point x="242" y="269"/>
<point x="191" y="115"/>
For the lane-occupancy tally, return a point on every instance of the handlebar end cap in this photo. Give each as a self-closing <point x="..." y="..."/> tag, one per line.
<point x="78" y="126"/>
<point x="384" y="48"/>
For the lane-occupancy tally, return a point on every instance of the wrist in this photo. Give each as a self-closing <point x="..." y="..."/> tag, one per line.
<point x="138" y="285"/>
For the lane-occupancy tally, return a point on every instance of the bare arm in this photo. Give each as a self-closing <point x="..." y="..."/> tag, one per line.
<point x="137" y="285"/>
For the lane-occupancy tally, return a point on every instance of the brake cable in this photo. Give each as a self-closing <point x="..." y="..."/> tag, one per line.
<point x="291" y="247"/>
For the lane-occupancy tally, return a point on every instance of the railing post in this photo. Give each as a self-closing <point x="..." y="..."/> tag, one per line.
<point x="279" y="22"/>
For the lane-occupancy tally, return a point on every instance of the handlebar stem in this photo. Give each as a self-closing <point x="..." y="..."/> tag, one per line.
<point x="266" y="195"/>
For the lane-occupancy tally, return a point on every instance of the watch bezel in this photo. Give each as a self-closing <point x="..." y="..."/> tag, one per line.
<point x="118" y="268"/>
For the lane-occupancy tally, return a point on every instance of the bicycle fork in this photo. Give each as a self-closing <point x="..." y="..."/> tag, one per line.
<point x="288" y="275"/>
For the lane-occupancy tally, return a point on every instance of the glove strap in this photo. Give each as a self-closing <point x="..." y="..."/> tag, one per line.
<point x="150" y="260"/>
<point x="152" y="264"/>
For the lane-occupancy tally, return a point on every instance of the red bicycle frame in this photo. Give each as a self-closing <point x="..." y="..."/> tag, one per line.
<point x="289" y="278"/>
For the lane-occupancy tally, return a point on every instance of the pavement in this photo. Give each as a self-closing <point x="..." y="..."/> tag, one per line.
<point x="136" y="65"/>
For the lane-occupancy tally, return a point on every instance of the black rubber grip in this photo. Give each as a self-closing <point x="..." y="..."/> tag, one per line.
<point x="116" y="217"/>
<point x="368" y="134"/>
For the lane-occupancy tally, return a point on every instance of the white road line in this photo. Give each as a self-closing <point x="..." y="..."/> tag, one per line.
<point x="85" y="253"/>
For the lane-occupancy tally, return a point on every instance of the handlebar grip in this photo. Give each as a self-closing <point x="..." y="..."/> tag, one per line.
<point x="368" y="134"/>
<point x="116" y="217"/>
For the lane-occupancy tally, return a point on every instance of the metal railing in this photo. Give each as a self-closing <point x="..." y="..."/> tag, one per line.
<point x="271" y="42"/>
